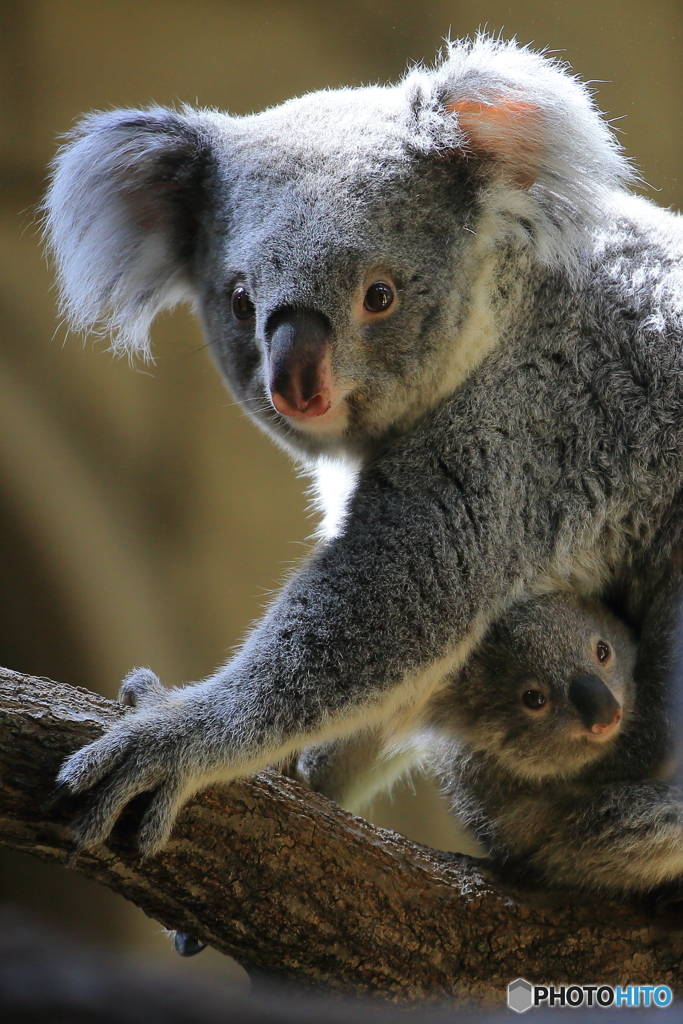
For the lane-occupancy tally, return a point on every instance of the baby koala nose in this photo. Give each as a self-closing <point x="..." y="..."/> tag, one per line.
<point x="598" y="708"/>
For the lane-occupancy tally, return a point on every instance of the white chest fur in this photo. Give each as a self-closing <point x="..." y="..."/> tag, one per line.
<point x="334" y="482"/>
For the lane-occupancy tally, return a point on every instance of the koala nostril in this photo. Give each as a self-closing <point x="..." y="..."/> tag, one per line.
<point x="283" y="406"/>
<point x="295" y="404"/>
<point x="317" y="406"/>
<point x="598" y="729"/>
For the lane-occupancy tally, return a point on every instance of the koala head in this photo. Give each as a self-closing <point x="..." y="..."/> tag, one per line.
<point x="548" y="690"/>
<point x="332" y="246"/>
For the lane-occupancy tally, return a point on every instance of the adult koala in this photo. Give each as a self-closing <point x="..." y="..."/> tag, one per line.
<point x="439" y="297"/>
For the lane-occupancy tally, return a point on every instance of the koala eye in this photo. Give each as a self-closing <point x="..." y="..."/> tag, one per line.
<point x="533" y="699"/>
<point x="378" y="297"/>
<point x="603" y="651"/>
<point x="242" y="306"/>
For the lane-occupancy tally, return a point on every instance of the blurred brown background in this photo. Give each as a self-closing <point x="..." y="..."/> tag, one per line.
<point x="143" y="520"/>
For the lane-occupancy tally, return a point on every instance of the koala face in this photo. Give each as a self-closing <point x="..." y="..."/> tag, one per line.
<point x="349" y="251"/>
<point x="548" y="690"/>
<point x="328" y="307"/>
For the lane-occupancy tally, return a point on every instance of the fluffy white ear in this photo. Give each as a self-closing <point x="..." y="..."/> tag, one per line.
<point x="554" y="167"/>
<point x="121" y="217"/>
<point x="508" y="131"/>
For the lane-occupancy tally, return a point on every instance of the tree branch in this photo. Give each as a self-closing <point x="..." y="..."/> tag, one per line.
<point x="290" y="884"/>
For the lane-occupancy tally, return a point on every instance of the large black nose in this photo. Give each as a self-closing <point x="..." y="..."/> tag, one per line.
<point x="299" y="362"/>
<point x="594" y="701"/>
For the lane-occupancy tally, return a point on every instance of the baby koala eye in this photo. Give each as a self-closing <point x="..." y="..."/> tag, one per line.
<point x="378" y="297"/>
<point x="533" y="699"/>
<point x="603" y="651"/>
<point x="242" y="306"/>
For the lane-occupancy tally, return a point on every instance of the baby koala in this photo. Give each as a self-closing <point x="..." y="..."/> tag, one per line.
<point x="541" y="745"/>
<point x="521" y="736"/>
<point x="547" y="691"/>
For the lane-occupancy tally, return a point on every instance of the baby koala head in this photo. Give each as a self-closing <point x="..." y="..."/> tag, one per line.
<point x="548" y="689"/>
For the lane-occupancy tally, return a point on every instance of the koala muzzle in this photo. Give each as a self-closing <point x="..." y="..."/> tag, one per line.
<point x="597" y="706"/>
<point x="299" y="363"/>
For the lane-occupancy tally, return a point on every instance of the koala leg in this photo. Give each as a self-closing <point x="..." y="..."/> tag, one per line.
<point x="352" y="771"/>
<point x="626" y="838"/>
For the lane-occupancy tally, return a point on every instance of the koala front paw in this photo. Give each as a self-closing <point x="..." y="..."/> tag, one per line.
<point x="148" y="751"/>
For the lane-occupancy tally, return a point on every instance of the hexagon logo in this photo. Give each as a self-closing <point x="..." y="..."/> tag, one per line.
<point x="520" y="997"/>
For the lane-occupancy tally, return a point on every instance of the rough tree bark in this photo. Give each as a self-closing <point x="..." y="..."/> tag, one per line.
<point x="290" y="884"/>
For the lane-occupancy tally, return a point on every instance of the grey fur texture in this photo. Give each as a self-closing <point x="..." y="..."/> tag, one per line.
<point x="511" y="423"/>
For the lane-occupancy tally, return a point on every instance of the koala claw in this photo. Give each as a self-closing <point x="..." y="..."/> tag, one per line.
<point x="138" y="755"/>
<point x="158" y="819"/>
<point x="187" y="945"/>
<point x="88" y="765"/>
<point x="125" y="784"/>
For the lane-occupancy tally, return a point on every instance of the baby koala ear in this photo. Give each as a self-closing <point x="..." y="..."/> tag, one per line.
<point x="507" y="131"/>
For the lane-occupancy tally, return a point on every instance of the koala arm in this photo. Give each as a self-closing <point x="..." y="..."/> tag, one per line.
<point x="624" y="838"/>
<point x="433" y="547"/>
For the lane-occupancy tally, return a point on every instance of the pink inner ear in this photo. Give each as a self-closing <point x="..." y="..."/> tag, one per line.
<point x="509" y="131"/>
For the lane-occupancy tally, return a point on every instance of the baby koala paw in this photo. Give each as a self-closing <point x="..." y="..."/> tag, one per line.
<point x="148" y="751"/>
